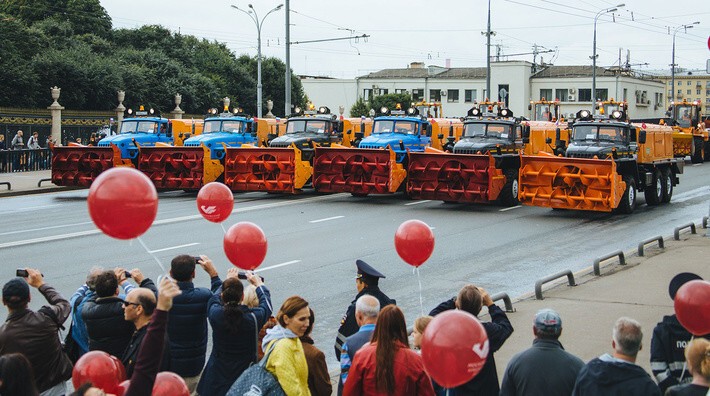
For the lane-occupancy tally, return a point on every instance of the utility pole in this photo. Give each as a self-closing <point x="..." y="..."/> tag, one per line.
<point x="287" y="101"/>
<point x="488" y="53"/>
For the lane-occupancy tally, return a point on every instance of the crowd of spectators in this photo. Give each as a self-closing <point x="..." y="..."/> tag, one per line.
<point x="152" y="329"/>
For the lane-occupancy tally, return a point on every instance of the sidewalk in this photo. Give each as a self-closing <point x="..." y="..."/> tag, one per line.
<point x="588" y="311"/>
<point x="23" y="183"/>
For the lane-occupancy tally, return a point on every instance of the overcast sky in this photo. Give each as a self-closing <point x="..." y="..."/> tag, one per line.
<point x="434" y="31"/>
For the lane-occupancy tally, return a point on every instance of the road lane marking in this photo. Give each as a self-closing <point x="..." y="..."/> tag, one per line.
<point x="173" y="247"/>
<point x="165" y="221"/>
<point x="278" y="265"/>
<point x="418" y="202"/>
<point x="30" y="208"/>
<point x="688" y="195"/>
<point x="326" y="219"/>
<point x="44" y="228"/>
<point x="510" y="208"/>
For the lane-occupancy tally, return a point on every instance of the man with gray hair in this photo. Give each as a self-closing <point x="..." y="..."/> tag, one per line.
<point x="367" y="308"/>
<point x="546" y="368"/>
<point x="617" y="374"/>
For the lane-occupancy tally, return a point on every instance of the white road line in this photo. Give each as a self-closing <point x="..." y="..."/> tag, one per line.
<point x="44" y="228"/>
<point x="698" y="164"/>
<point x="48" y="238"/>
<point x="173" y="247"/>
<point x="418" y="202"/>
<point x="688" y="195"/>
<point x="510" y="208"/>
<point x="30" y="208"/>
<point x="277" y="265"/>
<point x="326" y="219"/>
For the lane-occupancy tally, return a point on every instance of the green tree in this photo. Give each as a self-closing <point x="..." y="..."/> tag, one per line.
<point x="18" y="80"/>
<point x="360" y="108"/>
<point x="390" y="101"/>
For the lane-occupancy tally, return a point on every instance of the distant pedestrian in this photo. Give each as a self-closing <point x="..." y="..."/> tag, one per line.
<point x="287" y="361"/>
<point x="3" y="146"/>
<point x="367" y="308"/>
<point x="387" y="366"/>
<point x="617" y="374"/>
<point x="19" y="160"/>
<point x="187" y="327"/>
<point x="669" y="341"/>
<point x="16" y="376"/>
<point x="471" y="299"/>
<point x="546" y="368"/>
<point x="18" y="142"/>
<point x="367" y="282"/>
<point x="36" y="334"/>
<point x="318" y="377"/>
<point x="697" y="354"/>
<point x="33" y="141"/>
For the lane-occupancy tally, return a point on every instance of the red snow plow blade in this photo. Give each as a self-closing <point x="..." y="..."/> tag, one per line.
<point x="454" y="177"/>
<point x="173" y="168"/>
<point x="79" y="165"/>
<point x="266" y="169"/>
<point x="356" y="171"/>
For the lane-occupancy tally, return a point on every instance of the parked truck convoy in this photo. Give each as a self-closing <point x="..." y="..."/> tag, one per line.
<point x="606" y="162"/>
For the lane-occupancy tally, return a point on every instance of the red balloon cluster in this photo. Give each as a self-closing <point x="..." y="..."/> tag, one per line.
<point x="167" y="383"/>
<point x="123" y="202"/>
<point x="692" y="306"/>
<point x="245" y="245"/>
<point x="215" y="202"/>
<point x="104" y="371"/>
<point x="454" y="348"/>
<point x="414" y="242"/>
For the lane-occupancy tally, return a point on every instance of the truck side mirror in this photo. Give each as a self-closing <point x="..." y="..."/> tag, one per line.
<point x="440" y="136"/>
<point x="548" y="141"/>
<point x="529" y="106"/>
<point x="642" y="137"/>
<point x="428" y="130"/>
<point x="349" y="132"/>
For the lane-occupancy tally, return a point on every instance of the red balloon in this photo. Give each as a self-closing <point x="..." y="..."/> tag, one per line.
<point x="100" y="369"/>
<point x="454" y="348"/>
<point x="692" y="307"/>
<point x="123" y="387"/>
<point x="215" y="202"/>
<point x="169" y="384"/>
<point x="123" y="202"/>
<point x="245" y="245"/>
<point x="414" y="242"/>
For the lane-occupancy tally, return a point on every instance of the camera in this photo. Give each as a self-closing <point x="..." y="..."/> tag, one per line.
<point x="128" y="274"/>
<point x="22" y="273"/>
<point x="243" y="275"/>
<point x="197" y="259"/>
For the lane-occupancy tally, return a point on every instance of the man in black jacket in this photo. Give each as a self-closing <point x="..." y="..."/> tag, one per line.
<point x="618" y="374"/>
<point x="34" y="334"/>
<point x="138" y="307"/>
<point x="471" y="299"/>
<point x="367" y="282"/>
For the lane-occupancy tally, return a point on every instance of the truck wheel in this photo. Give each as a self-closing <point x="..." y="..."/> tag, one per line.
<point x="509" y="195"/>
<point x="628" y="201"/>
<point x="667" y="181"/>
<point x="654" y="192"/>
<point x="696" y="156"/>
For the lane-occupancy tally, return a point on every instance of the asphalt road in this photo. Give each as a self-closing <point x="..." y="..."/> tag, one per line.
<point x="314" y="242"/>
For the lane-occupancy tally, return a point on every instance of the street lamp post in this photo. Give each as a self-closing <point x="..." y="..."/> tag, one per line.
<point x="259" y="23"/>
<point x="594" y="52"/>
<point x="686" y="27"/>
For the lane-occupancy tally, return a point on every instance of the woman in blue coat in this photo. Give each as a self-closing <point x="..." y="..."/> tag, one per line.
<point x="234" y="332"/>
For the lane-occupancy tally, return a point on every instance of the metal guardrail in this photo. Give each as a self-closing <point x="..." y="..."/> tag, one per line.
<point x="25" y="160"/>
<point x="598" y="260"/>
<point x="549" y="278"/>
<point x="9" y="186"/>
<point x="506" y="300"/>
<point x="677" y="230"/>
<point x="650" y="240"/>
<point x="39" y="183"/>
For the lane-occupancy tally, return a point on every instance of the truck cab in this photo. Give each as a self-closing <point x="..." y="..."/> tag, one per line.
<point x="226" y="129"/>
<point x="602" y="138"/>
<point x="490" y="132"/>
<point x="544" y="110"/>
<point x="145" y="129"/>
<point x="401" y="132"/>
<point x="308" y="129"/>
<point x="684" y="114"/>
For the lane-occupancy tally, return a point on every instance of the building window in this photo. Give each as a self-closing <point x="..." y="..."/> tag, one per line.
<point x="602" y="94"/>
<point x="561" y="94"/>
<point x="697" y="92"/>
<point x="670" y="93"/>
<point x="689" y="82"/>
<point x="418" y="94"/>
<point x="680" y="92"/>
<point x="435" y="95"/>
<point x="452" y="95"/>
<point x="680" y="83"/>
<point x="626" y="94"/>
<point x="546" y="94"/>
<point x="707" y="100"/>
<point x="400" y="91"/>
<point x="367" y="94"/>
<point x="470" y="95"/>
<point x="670" y="82"/>
<point x="585" y="95"/>
<point x="688" y="91"/>
<point x="707" y="92"/>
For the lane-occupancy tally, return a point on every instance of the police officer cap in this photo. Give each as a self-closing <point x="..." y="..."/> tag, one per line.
<point x="679" y="280"/>
<point x="365" y="269"/>
<point x="548" y="322"/>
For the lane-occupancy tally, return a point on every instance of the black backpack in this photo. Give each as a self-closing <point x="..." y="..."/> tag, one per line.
<point x="257" y="381"/>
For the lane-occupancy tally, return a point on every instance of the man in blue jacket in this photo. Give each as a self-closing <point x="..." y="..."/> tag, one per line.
<point x="187" y="320"/>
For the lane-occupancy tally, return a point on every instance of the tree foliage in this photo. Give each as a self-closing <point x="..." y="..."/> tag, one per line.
<point x="70" y="44"/>
<point x="362" y="108"/>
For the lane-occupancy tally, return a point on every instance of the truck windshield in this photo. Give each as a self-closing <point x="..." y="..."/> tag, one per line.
<point x="603" y="133"/>
<point x="223" y="126"/>
<point x="684" y="114"/>
<point x="500" y="131"/>
<point x="391" y="126"/>
<point x="542" y="112"/>
<point x="307" y="126"/>
<point x="139" y="127"/>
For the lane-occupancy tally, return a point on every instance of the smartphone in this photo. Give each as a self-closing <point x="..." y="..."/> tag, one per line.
<point x="197" y="259"/>
<point x="128" y="274"/>
<point x="243" y="275"/>
<point x="22" y="273"/>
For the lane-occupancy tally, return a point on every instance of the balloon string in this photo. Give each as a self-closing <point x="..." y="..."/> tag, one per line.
<point x="151" y="254"/>
<point x="268" y="304"/>
<point x="685" y="363"/>
<point x="421" y="300"/>
<point x="223" y="229"/>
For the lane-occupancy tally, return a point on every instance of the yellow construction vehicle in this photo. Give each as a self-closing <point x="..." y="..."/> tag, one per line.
<point x="689" y="134"/>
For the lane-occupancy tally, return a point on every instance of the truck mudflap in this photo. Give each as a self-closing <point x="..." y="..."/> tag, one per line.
<point x="279" y="170"/>
<point x="356" y="171"/>
<point x="178" y="168"/>
<point x="454" y="177"/>
<point x="78" y="166"/>
<point x="570" y="183"/>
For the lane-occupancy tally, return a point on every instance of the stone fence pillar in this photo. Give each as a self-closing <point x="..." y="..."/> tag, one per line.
<point x="120" y="109"/>
<point x="56" y="110"/>
<point x="177" y="111"/>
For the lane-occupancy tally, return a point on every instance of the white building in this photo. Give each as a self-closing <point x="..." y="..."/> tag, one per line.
<point x="514" y="82"/>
